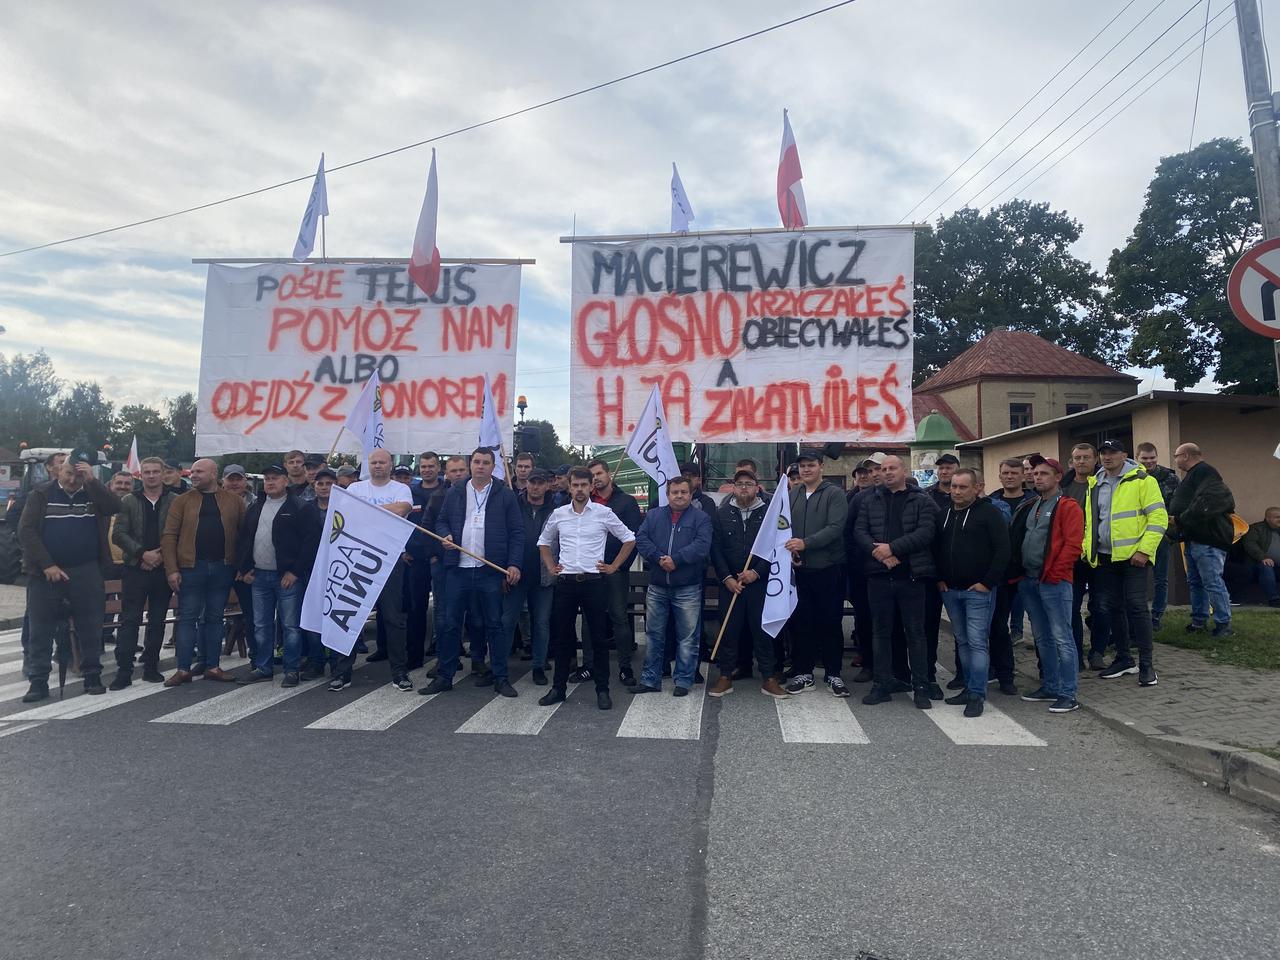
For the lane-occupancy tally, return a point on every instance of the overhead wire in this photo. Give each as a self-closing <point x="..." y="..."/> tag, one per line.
<point x="1195" y="106"/>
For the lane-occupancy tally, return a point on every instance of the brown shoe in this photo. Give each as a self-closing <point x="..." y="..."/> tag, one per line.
<point x="217" y="673"/>
<point x="721" y="687"/>
<point x="180" y="677"/>
<point x="772" y="688"/>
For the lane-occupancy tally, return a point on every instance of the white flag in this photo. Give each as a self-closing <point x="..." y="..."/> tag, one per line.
<point x="490" y="434"/>
<point x="681" y="209"/>
<point x="365" y="419"/>
<point x="780" y="590"/>
<point x="360" y="546"/>
<point x="317" y="207"/>
<point x="133" y="465"/>
<point x="650" y="446"/>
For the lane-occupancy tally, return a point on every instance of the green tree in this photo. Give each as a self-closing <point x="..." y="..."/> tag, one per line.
<point x="181" y="420"/>
<point x="1009" y="267"/>
<point x="552" y="452"/>
<point x="28" y="393"/>
<point x="148" y="425"/>
<point x="83" y="417"/>
<point x="1169" y="281"/>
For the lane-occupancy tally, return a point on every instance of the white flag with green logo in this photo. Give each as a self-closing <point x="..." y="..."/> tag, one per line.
<point x="780" y="589"/>
<point x="360" y="545"/>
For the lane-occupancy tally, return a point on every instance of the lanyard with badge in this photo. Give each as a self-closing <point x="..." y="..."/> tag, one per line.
<point x="477" y="519"/>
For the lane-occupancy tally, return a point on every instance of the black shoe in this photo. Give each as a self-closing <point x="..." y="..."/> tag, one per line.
<point x="1097" y="661"/>
<point x="527" y="655"/>
<point x="959" y="700"/>
<point x="1008" y="688"/>
<point x="974" y="707"/>
<point x="626" y="676"/>
<point x="934" y="691"/>
<point x="862" y="676"/>
<point x="603" y="701"/>
<point x="377" y="657"/>
<point x="837" y="687"/>
<point x="921" y="699"/>
<point x="877" y="694"/>
<point x="340" y="682"/>
<point x="551" y="697"/>
<point x="504" y="689"/>
<point x="1039" y="695"/>
<point x="290" y="679"/>
<point x="899" y="686"/>
<point x="1222" y="629"/>
<point x="403" y="683"/>
<point x="253" y="676"/>
<point x="955" y="683"/>
<point x="39" y="690"/>
<point x="152" y="675"/>
<point x="697" y="677"/>
<point x="639" y="688"/>
<point x="1194" y="627"/>
<point x="1064" y="705"/>
<point x="314" y="671"/>
<point x="438" y="685"/>
<point x="1147" y="677"/>
<point x="121" y="681"/>
<point x="360" y="647"/>
<point x="581" y="675"/>
<point x="1274" y="602"/>
<point x="433" y="672"/>
<point x="680" y="692"/>
<point x="539" y="676"/>
<point x="93" y="684"/>
<point x="482" y="679"/>
<point x="1118" y="669"/>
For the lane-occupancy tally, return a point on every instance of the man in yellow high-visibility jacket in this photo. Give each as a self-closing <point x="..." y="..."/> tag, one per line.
<point x="1125" y="520"/>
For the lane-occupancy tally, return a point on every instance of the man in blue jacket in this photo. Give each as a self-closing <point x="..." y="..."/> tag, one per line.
<point x="675" y="542"/>
<point x="483" y="517"/>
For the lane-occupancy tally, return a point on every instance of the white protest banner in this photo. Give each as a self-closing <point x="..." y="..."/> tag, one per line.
<point x="357" y="553"/>
<point x="775" y="336"/>
<point x="650" y="446"/>
<point x="780" y="589"/>
<point x="287" y="348"/>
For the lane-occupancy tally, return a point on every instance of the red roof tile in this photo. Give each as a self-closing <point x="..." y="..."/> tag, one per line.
<point x="1015" y="354"/>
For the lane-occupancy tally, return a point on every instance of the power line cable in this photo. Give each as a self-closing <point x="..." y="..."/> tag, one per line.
<point x="1013" y="116"/>
<point x="1062" y="143"/>
<point x="443" y="136"/>
<point x="1195" y="106"/>
<point x="1160" y="36"/>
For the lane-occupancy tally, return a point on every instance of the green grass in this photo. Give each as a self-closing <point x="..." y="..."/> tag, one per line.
<point x="1254" y="640"/>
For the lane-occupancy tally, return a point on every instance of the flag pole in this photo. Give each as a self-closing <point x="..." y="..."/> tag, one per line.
<point x="461" y="549"/>
<point x="335" y="443"/>
<point x="724" y="621"/>
<point x="324" y="254"/>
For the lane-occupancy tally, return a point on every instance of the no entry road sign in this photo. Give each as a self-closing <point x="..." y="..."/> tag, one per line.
<point x="1254" y="287"/>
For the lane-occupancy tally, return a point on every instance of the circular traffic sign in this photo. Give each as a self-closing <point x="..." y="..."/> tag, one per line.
<point x="1253" y="289"/>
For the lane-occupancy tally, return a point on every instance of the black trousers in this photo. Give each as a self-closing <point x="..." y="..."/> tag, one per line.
<point x="862" y="630"/>
<point x="905" y="598"/>
<point x="816" y="624"/>
<point x="417" y="592"/>
<point x="589" y="595"/>
<point x="932" y="624"/>
<point x="1122" y="593"/>
<point x="83" y="599"/>
<point x="1001" y="641"/>
<point x="744" y="623"/>
<point x="390" y="608"/>
<point x="141" y="589"/>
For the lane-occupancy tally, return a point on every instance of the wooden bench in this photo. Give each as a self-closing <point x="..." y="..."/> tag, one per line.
<point x="115" y="607"/>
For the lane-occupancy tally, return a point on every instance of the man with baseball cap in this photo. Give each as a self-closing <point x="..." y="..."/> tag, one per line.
<point x="347" y="476"/>
<point x="1125" y="520"/>
<point x="235" y="480"/>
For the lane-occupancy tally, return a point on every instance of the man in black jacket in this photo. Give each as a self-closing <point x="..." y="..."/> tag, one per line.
<point x="605" y="491"/>
<point x="536" y="586"/>
<point x="736" y="524"/>
<point x="417" y="572"/>
<point x="272" y="542"/>
<point x="896" y="524"/>
<point x="1200" y="516"/>
<point x="972" y="552"/>
<point x="312" y="517"/>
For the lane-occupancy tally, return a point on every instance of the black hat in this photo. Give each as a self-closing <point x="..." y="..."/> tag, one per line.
<point x="171" y="465"/>
<point x="1113" y="446"/>
<point x="563" y="470"/>
<point x="538" y="475"/>
<point x="690" y="469"/>
<point x="809" y="453"/>
<point x="403" y="468"/>
<point x="947" y="458"/>
<point x="326" y="472"/>
<point x="274" y="468"/>
<point x="313" y="460"/>
<point x="743" y="472"/>
<point x="81" y="455"/>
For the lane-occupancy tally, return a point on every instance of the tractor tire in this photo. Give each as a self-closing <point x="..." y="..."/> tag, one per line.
<point x="10" y="554"/>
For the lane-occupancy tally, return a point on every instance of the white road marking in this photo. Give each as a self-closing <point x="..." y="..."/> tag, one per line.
<point x="660" y="716"/>
<point x="384" y="707"/>
<point x="521" y="716"/>
<point x="242" y="702"/>
<point x="7" y="729"/>
<point x="994" y="728"/>
<point x="818" y="717"/>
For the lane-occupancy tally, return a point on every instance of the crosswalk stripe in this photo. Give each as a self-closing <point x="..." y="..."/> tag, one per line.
<point x="813" y="718"/>
<point x="521" y="716"/>
<point x="660" y="716"/>
<point x="9" y="729"/>
<point x="384" y="707"/>
<point x="243" y="702"/>
<point x="83" y="706"/>
<point x="13" y="691"/>
<point x="994" y="728"/>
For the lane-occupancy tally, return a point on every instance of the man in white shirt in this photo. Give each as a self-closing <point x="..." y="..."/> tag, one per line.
<point x="381" y="491"/>
<point x="582" y="528"/>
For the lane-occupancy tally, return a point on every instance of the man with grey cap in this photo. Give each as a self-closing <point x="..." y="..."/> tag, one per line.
<point x="347" y="476"/>
<point x="235" y="480"/>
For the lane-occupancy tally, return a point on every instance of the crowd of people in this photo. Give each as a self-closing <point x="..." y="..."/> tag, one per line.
<point x="561" y="544"/>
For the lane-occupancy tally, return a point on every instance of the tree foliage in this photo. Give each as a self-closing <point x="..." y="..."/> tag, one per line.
<point x="552" y="453"/>
<point x="1009" y="267"/>
<point x="83" y="417"/>
<point x="1169" y="281"/>
<point x="28" y="391"/>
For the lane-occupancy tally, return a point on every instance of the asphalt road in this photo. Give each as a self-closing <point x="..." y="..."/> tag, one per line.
<point x="246" y="834"/>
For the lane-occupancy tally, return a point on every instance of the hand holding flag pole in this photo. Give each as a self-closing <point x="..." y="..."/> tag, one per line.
<point x="724" y="621"/>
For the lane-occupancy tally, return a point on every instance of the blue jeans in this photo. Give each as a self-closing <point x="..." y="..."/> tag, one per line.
<point x="476" y="593"/>
<point x="1049" y="606"/>
<point x="1160" y="598"/>
<point x="529" y="593"/>
<point x="1267" y="580"/>
<point x="1204" y="579"/>
<point x="268" y="596"/>
<point x="970" y="612"/>
<point x="202" y="599"/>
<point x="682" y="605"/>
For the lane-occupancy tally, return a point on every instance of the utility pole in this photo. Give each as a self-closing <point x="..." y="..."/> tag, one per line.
<point x="1262" y="123"/>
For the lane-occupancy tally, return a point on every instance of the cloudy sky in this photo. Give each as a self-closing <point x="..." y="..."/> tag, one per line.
<point x="111" y="113"/>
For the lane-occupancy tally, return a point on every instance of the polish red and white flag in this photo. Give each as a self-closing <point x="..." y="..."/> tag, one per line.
<point x="424" y="265"/>
<point x="133" y="465"/>
<point x="790" y="189"/>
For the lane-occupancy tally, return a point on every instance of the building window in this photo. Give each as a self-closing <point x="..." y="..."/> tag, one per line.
<point x="1019" y="415"/>
<point x="1076" y="408"/>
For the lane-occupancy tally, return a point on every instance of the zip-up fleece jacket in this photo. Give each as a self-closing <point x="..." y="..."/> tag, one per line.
<point x="733" y="540"/>
<point x="131" y="524"/>
<point x="503" y="527"/>
<point x="1066" y="529"/>
<point x="919" y="522"/>
<point x="972" y="546"/>
<point x="818" y="520"/>
<point x="1138" y="517"/>
<point x="687" y="542"/>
